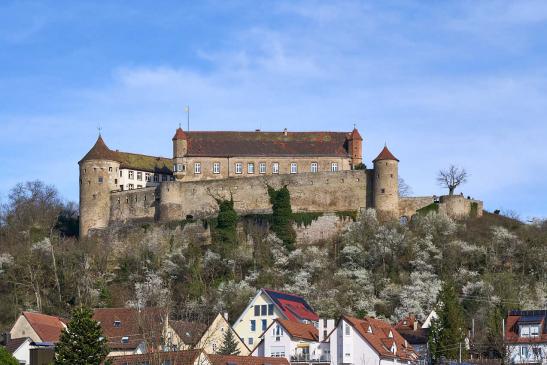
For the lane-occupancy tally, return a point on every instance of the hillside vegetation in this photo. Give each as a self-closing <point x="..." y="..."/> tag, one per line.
<point x="384" y="270"/>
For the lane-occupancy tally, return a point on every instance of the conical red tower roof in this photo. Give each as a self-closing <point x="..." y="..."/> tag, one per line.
<point x="179" y="134"/>
<point x="385" y="154"/>
<point x="100" y="151"/>
<point x="355" y="134"/>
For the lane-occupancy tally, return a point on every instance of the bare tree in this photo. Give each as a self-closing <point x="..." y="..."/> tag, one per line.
<point x="452" y="178"/>
<point x="404" y="189"/>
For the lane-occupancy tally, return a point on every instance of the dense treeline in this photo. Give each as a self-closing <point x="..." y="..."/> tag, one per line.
<point x="386" y="270"/>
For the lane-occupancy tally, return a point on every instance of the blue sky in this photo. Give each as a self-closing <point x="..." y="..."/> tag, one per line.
<point x="461" y="82"/>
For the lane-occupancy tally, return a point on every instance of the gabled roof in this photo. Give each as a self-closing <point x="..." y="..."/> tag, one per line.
<point x="187" y="357"/>
<point x="528" y="317"/>
<point x="246" y="360"/>
<point x="48" y="328"/>
<point x="14" y="344"/>
<point x="294" y="307"/>
<point x="274" y="144"/>
<point x="379" y="339"/>
<point x="117" y="323"/>
<point x="385" y="154"/>
<point x="300" y="330"/>
<point x="189" y="332"/>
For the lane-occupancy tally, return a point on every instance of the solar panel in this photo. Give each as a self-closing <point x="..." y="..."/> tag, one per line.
<point x="530" y="319"/>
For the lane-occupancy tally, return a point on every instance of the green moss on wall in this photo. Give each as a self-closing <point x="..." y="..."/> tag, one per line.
<point x="305" y="218"/>
<point x="474" y="210"/>
<point x="433" y="207"/>
<point x="347" y="214"/>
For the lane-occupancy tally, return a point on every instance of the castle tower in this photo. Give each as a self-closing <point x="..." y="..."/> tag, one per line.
<point x="99" y="171"/>
<point x="180" y="148"/>
<point x="386" y="185"/>
<point x="355" y="147"/>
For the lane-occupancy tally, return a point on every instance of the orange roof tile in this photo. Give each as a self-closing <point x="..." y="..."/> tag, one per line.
<point x="187" y="357"/>
<point x="300" y="330"/>
<point x="48" y="328"/>
<point x="385" y="154"/>
<point x="246" y="360"/>
<point x="179" y="134"/>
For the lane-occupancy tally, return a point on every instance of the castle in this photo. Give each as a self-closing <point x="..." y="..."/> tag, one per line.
<point x="323" y="171"/>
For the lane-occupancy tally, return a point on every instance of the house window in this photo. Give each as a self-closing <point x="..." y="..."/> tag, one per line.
<point x="216" y="168"/>
<point x="179" y="167"/>
<point x="125" y="339"/>
<point x="313" y="167"/>
<point x="262" y="167"/>
<point x="278" y="351"/>
<point x="524" y="351"/>
<point x="163" y="177"/>
<point x="214" y="347"/>
<point x="334" y="167"/>
<point x="109" y="169"/>
<point x="117" y="323"/>
<point x="250" y="168"/>
<point x="264" y="309"/>
<point x="131" y="174"/>
<point x="239" y="168"/>
<point x="197" y="168"/>
<point x="257" y="310"/>
<point x="253" y="325"/>
<point x="325" y="334"/>
<point x="534" y="331"/>
<point x="156" y="178"/>
<point x="139" y="176"/>
<point x="250" y="340"/>
<point x="264" y="324"/>
<point x="147" y="177"/>
<point x="121" y="173"/>
<point x="275" y="168"/>
<point x="172" y="178"/>
<point x="270" y="309"/>
<point x="294" y="168"/>
<point x="130" y="186"/>
<point x="278" y="331"/>
<point x="100" y="179"/>
<point x="346" y="329"/>
<point x="139" y="186"/>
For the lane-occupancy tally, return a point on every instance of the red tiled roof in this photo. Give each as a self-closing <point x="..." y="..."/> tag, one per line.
<point x="294" y="307"/>
<point x="407" y="323"/>
<point x="379" y="338"/>
<point x="512" y="326"/>
<point x="14" y="344"/>
<point x="189" y="332"/>
<point x="355" y="134"/>
<point x="274" y="144"/>
<point x="246" y="360"/>
<point x="179" y="134"/>
<point x="48" y="328"/>
<point x="100" y="151"/>
<point x="187" y="357"/>
<point x="385" y="154"/>
<point x="134" y="324"/>
<point x="300" y="330"/>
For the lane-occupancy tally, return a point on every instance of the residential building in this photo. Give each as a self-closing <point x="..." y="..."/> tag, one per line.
<point x="526" y="336"/>
<point x="368" y="341"/>
<point x="266" y="306"/>
<point x="38" y="327"/>
<point x="182" y="335"/>
<point x="412" y="331"/>
<point x="297" y="342"/>
<point x="19" y="348"/>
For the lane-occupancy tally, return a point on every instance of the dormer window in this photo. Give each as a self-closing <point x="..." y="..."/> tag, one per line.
<point x="394" y="348"/>
<point x="369" y="329"/>
<point x="390" y="335"/>
<point x="117" y="323"/>
<point x="125" y="339"/>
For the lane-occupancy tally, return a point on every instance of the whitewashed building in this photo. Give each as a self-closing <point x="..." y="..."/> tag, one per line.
<point x="526" y="337"/>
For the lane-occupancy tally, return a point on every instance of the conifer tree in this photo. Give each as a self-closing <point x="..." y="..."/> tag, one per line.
<point x="447" y="333"/>
<point x="282" y="217"/>
<point x="229" y="344"/>
<point x="6" y="358"/>
<point x="82" y="342"/>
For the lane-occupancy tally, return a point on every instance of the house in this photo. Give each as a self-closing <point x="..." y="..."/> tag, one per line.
<point x="368" y="341"/>
<point x="413" y="332"/>
<point x="38" y="327"/>
<point x="19" y="348"/>
<point x="526" y="336"/>
<point x="266" y="306"/>
<point x="131" y="331"/>
<point x="183" y="335"/>
<point x="297" y="342"/>
<point x="193" y="357"/>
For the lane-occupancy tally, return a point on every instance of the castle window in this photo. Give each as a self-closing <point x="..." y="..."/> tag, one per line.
<point x="294" y="168"/>
<point x="94" y="196"/>
<point x="383" y="191"/>
<point x="85" y="170"/>
<point x="121" y="173"/>
<point x="197" y="168"/>
<point x="216" y="168"/>
<point x="179" y="167"/>
<point x="139" y="176"/>
<point x="172" y="178"/>
<point x="334" y="167"/>
<point x="156" y="178"/>
<point x="313" y="167"/>
<point x="262" y="167"/>
<point x="100" y="179"/>
<point x="391" y="175"/>
<point x="116" y="181"/>
<point x="109" y="169"/>
<point x="130" y="186"/>
<point x="163" y="177"/>
<point x="147" y="177"/>
<point x="131" y="174"/>
<point x="239" y="168"/>
<point x="275" y="168"/>
<point x="250" y="168"/>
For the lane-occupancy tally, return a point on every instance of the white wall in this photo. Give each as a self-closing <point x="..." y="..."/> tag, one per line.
<point x="22" y="354"/>
<point x="517" y="355"/>
<point x="125" y="180"/>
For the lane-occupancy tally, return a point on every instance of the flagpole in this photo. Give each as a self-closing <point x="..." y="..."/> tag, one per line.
<point x="188" y="117"/>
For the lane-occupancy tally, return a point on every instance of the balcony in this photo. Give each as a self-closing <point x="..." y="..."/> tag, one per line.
<point x="307" y="359"/>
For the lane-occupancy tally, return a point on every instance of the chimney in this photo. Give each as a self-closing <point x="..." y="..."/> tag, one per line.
<point x="285" y="132"/>
<point x="415" y="324"/>
<point x="225" y="315"/>
<point x="5" y="338"/>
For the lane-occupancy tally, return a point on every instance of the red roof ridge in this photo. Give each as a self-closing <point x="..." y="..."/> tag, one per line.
<point x="179" y="134"/>
<point x="385" y="154"/>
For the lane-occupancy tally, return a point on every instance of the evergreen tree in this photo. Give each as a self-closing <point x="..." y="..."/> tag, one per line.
<point x="82" y="342"/>
<point x="229" y="344"/>
<point x="282" y="217"/>
<point x="226" y="222"/>
<point x="447" y="333"/>
<point x="6" y="358"/>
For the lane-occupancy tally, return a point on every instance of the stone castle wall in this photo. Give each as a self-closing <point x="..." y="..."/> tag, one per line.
<point x="457" y="206"/>
<point x="139" y="204"/>
<point x="409" y="205"/>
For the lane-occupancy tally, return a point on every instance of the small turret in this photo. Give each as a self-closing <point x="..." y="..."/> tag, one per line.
<point x="99" y="171"/>
<point x="355" y="148"/>
<point x="180" y="149"/>
<point x="386" y="184"/>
